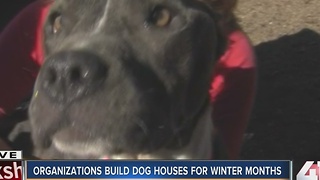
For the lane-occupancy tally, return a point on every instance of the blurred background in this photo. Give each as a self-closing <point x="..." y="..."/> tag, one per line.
<point x="286" y="119"/>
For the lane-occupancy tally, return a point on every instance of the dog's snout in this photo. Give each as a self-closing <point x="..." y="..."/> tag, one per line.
<point x="70" y="75"/>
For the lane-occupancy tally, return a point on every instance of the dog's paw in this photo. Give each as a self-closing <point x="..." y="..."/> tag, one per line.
<point x="22" y="127"/>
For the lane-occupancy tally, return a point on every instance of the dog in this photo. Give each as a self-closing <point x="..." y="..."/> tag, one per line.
<point x="126" y="79"/>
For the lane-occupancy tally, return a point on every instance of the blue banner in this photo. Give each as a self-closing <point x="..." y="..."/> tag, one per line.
<point x="157" y="169"/>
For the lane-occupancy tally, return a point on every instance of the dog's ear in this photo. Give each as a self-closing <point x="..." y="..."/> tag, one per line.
<point x="225" y="10"/>
<point x="222" y="6"/>
<point x="227" y="21"/>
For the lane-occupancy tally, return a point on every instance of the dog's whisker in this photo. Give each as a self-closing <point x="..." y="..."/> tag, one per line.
<point x="176" y="133"/>
<point x="143" y="126"/>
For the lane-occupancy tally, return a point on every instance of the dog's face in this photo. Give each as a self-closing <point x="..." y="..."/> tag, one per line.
<point x="121" y="77"/>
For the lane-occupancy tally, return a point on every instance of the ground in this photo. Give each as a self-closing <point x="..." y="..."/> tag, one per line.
<point x="286" y="118"/>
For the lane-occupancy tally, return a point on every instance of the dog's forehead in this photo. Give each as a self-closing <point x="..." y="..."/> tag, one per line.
<point x="92" y="4"/>
<point x="79" y="5"/>
<point x="96" y="8"/>
<point x="116" y="13"/>
<point x="95" y="11"/>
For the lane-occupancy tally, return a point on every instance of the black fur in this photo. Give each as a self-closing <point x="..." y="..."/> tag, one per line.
<point x="130" y="85"/>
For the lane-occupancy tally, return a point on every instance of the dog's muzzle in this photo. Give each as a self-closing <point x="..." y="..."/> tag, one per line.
<point x="71" y="75"/>
<point x="87" y="105"/>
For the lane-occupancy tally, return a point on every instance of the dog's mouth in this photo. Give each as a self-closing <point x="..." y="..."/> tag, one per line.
<point x="79" y="146"/>
<point x="89" y="150"/>
<point x="95" y="150"/>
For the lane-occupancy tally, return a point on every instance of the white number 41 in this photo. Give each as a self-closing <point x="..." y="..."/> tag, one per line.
<point x="314" y="172"/>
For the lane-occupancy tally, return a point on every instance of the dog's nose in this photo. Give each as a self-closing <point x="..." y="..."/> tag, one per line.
<point x="70" y="75"/>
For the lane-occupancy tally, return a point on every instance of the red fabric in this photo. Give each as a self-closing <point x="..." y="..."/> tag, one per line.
<point x="232" y="89"/>
<point x="21" y="55"/>
<point x="232" y="92"/>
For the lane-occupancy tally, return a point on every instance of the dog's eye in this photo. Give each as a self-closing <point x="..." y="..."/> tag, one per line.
<point x="160" y="16"/>
<point x="56" y="24"/>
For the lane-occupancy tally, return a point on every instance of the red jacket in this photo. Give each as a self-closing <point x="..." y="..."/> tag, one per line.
<point x="232" y="91"/>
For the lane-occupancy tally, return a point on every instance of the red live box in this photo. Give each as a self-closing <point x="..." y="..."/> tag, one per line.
<point x="11" y="170"/>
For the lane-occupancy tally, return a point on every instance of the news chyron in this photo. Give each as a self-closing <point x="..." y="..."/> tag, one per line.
<point x="11" y="165"/>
